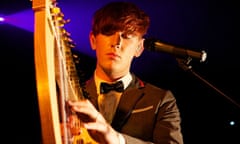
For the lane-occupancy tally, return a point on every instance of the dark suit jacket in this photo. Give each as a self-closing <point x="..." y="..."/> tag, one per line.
<point x="145" y="112"/>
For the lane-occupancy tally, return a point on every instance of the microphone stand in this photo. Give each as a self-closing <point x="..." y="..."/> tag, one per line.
<point x="185" y="65"/>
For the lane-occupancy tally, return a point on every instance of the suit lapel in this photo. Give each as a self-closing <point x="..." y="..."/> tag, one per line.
<point x="92" y="91"/>
<point x="127" y="104"/>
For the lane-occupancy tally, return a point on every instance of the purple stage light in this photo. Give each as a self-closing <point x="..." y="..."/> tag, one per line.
<point x="22" y="19"/>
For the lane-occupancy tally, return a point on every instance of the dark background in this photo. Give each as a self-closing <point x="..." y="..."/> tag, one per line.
<point x="196" y="25"/>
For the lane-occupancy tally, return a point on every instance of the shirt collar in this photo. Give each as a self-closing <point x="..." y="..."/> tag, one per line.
<point x="126" y="81"/>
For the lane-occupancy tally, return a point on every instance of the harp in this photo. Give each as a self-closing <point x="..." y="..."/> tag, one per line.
<point x="56" y="76"/>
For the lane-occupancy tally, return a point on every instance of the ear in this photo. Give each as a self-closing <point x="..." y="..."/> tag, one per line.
<point x="92" y="40"/>
<point x="140" y="48"/>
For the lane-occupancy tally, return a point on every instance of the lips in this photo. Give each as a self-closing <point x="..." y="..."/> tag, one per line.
<point x="113" y="55"/>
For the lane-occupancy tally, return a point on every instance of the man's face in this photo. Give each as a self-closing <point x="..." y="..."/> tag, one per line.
<point x="115" y="51"/>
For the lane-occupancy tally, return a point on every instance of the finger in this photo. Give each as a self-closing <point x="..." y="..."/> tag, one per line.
<point x="96" y="126"/>
<point x="85" y="107"/>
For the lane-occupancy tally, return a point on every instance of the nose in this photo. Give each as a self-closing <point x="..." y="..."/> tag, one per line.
<point x="116" y="40"/>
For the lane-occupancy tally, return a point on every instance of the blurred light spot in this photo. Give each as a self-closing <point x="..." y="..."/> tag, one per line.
<point x="232" y="123"/>
<point x="1" y="19"/>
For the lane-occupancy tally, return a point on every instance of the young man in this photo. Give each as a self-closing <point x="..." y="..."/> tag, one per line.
<point x="141" y="113"/>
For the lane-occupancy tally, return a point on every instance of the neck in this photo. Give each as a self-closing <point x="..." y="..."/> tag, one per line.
<point x="109" y="76"/>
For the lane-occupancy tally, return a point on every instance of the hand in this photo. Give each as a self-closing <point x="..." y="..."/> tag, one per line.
<point x="71" y="127"/>
<point x="94" y="122"/>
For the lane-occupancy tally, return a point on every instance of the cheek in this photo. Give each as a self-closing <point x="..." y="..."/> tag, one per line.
<point x="130" y="50"/>
<point x="99" y="52"/>
<point x="129" y="54"/>
<point x="100" y="45"/>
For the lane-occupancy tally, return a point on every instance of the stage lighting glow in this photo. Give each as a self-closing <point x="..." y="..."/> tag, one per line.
<point x="22" y="19"/>
<point x="2" y="19"/>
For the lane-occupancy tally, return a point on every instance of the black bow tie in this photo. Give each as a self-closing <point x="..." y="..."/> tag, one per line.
<point x="105" y="87"/>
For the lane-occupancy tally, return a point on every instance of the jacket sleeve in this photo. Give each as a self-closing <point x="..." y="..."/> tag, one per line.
<point x="132" y="140"/>
<point x="168" y="123"/>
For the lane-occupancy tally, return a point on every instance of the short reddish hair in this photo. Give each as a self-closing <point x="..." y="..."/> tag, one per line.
<point x="120" y="16"/>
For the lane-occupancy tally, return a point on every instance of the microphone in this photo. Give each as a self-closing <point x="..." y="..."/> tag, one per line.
<point x="157" y="46"/>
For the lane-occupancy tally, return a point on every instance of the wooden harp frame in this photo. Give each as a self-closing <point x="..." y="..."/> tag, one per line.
<point x="45" y="72"/>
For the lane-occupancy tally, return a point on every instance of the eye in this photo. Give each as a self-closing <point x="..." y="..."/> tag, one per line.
<point x="107" y="33"/>
<point x="128" y="35"/>
<point x="108" y="30"/>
